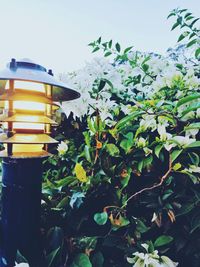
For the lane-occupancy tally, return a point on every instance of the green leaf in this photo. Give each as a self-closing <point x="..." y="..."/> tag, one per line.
<point x="163" y="240"/>
<point x="101" y="218"/>
<point x="113" y="150"/>
<point x="81" y="260"/>
<point x="194" y="144"/>
<point x="197" y="53"/>
<point x="192" y="107"/>
<point x="174" y="26"/>
<point x="52" y="256"/>
<point x="185" y="209"/>
<point x="127" y="49"/>
<point x="192" y="126"/>
<point x="182" y="36"/>
<point x="87" y="153"/>
<point x="126" y="144"/>
<point x="194" y="21"/>
<point x="189" y="18"/>
<point x="195" y="223"/>
<point x="194" y="158"/>
<point x="141" y="227"/>
<point x="175" y="154"/>
<point x="167" y="194"/>
<point x="117" y="46"/>
<point x="101" y="85"/>
<point x="20" y="258"/>
<point x="107" y="54"/>
<point x="158" y="149"/>
<point x="99" y="40"/>
<point x="140" y="165"/>
<point x="128" y="119"/>
<point x="187" y="14"/>
<point x="187" y="99"/>
<point x="183" y="10"/>
<point x="170" y="15"/>
<point x="194" y="41"/>
<point x="110" y="44"/>
<point x="95" y="49"/>
<point x="63" y="203"/>
<point x="97" y="260"/>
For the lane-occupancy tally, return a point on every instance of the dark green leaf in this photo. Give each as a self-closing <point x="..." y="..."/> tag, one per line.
<point x="174" y="26"/>
<point x="182" y="36"/>
<point x="50" y="258"/>
<point x="95" y="49"/>
<point x="99" y="40"/>
<point x="194" y="41"/>
<point x="128" y="118"/>
<point x="81" y="260"/>
<point x="162" y="240"/>
<point x="110" y="44"/>
<point x="175" y="154"/>
<point x="101" y="218"/>
<point x="141" y="227"/>
<point x="194" y="21"/>
<point x="97" y="260"/>
<point x="127" y="49"/>
<point x="107" y="54"/>
<point x="117" y="46"/>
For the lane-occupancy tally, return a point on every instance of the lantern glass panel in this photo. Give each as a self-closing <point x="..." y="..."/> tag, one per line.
<point x="28" y="86"/>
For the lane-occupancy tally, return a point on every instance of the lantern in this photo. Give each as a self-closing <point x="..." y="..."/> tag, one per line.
<point x="29" y="98"/>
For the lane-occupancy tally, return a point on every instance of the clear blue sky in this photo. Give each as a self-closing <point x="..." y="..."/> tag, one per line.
<point x="55" y="33"/>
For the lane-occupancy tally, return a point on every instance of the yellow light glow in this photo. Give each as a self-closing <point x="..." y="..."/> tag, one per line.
<point x="31" y="106"/>
<point x="25" y="126"/>
<point x="33" y="126"/>
<point x="28" y="86"/>
<point x="26" y="105"/>
<point x="27" y="148"/>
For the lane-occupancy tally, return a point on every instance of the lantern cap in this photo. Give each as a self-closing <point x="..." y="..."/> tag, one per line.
<point x="27" y="70"/>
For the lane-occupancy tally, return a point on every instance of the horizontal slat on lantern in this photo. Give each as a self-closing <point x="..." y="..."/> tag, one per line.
<point x="20" y="95"/>
<point x="29" y="118"/>
<point x="25" y="155"/>
<point x="27" y="139"/>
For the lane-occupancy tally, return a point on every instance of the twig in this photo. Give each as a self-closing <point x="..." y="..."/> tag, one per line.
<point x="163" y="178"/>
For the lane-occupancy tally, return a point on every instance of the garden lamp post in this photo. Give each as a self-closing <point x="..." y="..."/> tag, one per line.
<point x="28" y="93"/>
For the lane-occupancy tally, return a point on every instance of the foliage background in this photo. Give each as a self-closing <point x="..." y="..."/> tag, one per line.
<point x="127" y="170"/>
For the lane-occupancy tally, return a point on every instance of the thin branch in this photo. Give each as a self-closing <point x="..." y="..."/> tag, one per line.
<point x="163" y="178"/>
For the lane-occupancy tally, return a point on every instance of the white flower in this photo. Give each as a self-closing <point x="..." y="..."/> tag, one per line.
<point x="193" y="168"/>
<point x="150" y="259"/>
<point x="192" y="132"/>
<point x="162" y="132"/>
<point x="198" y="113"/>
<point x="148" y="122"/>
<point x="141" y="142"/>
<point x="22" y="265"/>
<point x="62" y="148"/>
<point x="126" y="109"/>
<point x="183" y="141"/>
<point x="167" y="262"/>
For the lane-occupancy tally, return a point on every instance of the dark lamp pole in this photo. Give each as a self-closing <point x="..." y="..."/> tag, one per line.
<point x="28" y="93"/>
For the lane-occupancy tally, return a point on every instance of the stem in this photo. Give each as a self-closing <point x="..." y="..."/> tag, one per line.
<point x="163" y="178"/>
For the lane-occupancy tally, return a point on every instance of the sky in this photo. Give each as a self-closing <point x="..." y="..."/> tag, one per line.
<point x="56" y="33"/>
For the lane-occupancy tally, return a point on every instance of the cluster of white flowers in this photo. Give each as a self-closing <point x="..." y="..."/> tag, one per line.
<point x="162" y="72"/>
<point x="150" y="259"/>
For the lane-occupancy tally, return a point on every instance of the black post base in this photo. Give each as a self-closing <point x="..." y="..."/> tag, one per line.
<point x="21" y="205"/>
